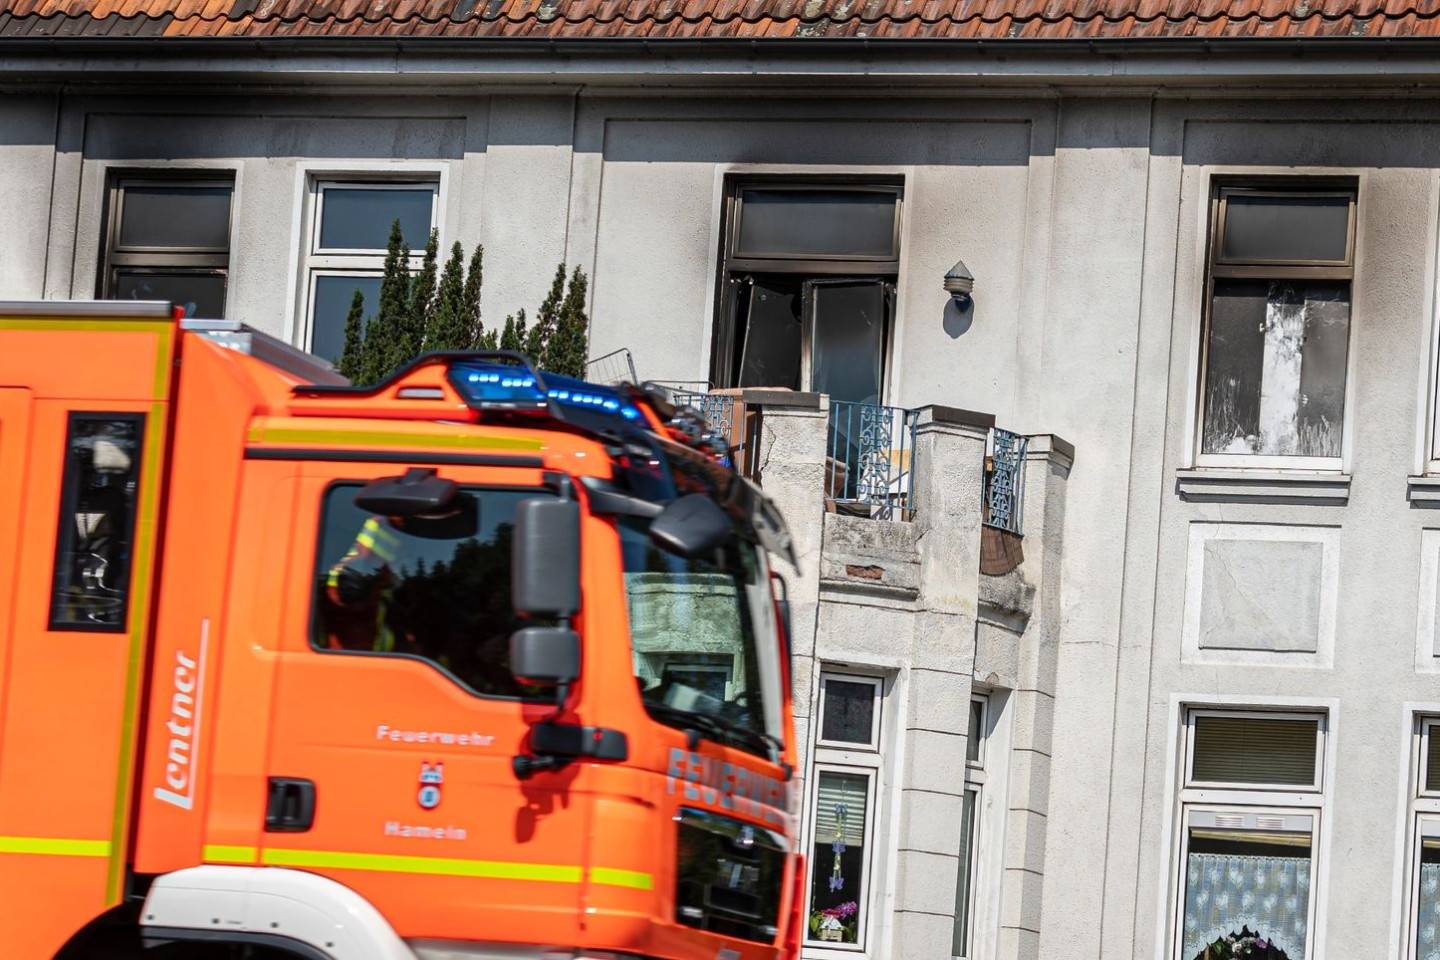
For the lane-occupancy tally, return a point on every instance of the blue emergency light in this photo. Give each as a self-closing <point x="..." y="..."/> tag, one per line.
<point x="491" y="385"/>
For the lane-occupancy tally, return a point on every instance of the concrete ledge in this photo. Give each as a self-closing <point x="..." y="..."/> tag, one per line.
<point x="781" y="398"/>
<point x="875" y="557"/>
<point x="954" y="416"/>
<point x="1423" y="492"/>
<point x="1263" y="486"/>
<point x="1049" y="446"/>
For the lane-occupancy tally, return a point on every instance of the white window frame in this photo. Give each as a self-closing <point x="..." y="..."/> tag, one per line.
<point x="1245" y="799"/>
<point x="975" y="782"/>
<point x="878" y="692"/>
<point x="1422" y="820"/>
<point x="849" y="758"/>
<point x="308" y="260"/>
<point x="1218" y="182"/>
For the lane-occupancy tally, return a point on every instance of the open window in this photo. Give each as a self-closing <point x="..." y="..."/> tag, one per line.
<point x="808" y="286"/>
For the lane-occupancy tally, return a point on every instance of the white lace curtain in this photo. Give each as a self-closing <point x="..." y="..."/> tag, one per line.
<point x="1270" y="895"/>
<point x="1428" y="921"/>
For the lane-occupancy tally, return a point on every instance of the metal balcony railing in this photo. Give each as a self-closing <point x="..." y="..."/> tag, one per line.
<point x="726" y="413"/>
<point x="870" y="460"/>
<point x="1004" y="491"/>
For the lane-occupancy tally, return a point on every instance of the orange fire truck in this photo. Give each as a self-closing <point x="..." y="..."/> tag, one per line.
<point x="478" y="662"/>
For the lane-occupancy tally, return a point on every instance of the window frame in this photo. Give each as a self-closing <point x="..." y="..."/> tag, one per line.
<point x="846" y="758"/>
<point x="1236" y="798"/>
<point x="200" y="261"/>
<point x="733" y="272"/>
<point x="878" y="686"/>
<point x="1222" y="188"/>
<point x="1316" y="785"/>
<point x="65" y="525"/>
<point x="316" y="261"/>
<point x="1422" y="820"/>
<point x="975" y="780"/>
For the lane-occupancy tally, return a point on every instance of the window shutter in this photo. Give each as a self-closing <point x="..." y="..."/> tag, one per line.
<point x="1254" y="750"/>
<point x="852" y="790"/>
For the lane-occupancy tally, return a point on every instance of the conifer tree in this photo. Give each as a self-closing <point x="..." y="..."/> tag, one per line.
<point x="513" y="338"/>
<point x="450" y="329"/>
<point x="568" y="346"/>
<point x="537" y="341"/>
<point x="352" y="357"/>
<point x="475" y="330"/>
<point x="381" y="351"/>
<point x="420" y="310"/>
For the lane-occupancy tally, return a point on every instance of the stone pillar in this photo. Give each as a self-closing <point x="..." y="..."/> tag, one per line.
<point x="949" y="475"/>
<point x="790" y="460"/>
<point x="1047" y="468"/>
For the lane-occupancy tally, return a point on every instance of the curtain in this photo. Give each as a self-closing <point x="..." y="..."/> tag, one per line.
<point x="1427" y="921"/>
<point x="1270" y="895"/>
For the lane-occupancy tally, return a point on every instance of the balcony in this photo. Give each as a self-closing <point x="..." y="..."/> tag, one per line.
<point x="869" y="456"/>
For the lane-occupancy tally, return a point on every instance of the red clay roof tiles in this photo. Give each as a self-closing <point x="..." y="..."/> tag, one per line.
<point x="975" y="19"/>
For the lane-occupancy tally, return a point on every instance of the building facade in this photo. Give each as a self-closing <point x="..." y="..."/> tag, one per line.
<point x="1194" y="688"/>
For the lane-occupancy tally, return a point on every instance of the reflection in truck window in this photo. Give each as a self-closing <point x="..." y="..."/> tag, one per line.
<point x="692" y="629"/>
<point x="97" y="522"/>
<point x="436" y="588"/>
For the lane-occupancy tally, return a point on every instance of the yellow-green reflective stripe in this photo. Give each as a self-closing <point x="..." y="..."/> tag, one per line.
<point x="55" y="847"/>
<point x="393" y="438"/>
<point x="613" y="877"/>
<point x="216" y="853"/>
<point x="383" y="863"/>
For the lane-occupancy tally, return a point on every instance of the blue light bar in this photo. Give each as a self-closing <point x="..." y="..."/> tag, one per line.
<point x="487" y="385"/>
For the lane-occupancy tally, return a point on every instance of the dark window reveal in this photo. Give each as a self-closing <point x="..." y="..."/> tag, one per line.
<point x="168" y="238"/>
<point x="807" y="287"/>
<point x="97" y="522"/>
<point x="434" y="588"/>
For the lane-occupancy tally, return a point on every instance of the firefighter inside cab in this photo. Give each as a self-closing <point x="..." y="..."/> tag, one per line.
<point x="362" y="612"/>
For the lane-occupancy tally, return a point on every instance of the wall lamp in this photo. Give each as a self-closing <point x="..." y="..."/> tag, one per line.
<point x="958" y="283"/>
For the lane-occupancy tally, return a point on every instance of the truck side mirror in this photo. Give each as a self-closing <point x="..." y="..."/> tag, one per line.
<point x="545" y="558"/>
<point x="419" y="491"/>
<point x="690" y="527"/>
<point x="545" y="655"/>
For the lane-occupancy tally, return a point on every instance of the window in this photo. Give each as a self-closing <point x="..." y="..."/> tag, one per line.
<point x="695" y="639"/>
<point x="844" y="775"/>
<point x="434" y="588"/>
<point x="1423" y="927"/>
<point x="976" y="735"/>
<point x="808" y="286"/>
<point x="345" y="253"/>
<point x="168" y="238"/>
<point x="97" y="522"/>
<point x="1277" y="329"/>
<point x="1250" y="807"/>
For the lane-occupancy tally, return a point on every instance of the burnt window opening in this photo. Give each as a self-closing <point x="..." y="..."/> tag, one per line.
<point x="808" y="286"/>
<point x="167" y="237"/>
<point x="1277" y="321"/>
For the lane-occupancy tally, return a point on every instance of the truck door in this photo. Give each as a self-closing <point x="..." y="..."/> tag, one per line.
<point x="396" y="716"/>
<point x="14" y="440"/>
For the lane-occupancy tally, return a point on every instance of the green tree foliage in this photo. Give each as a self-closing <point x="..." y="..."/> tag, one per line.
<point x="440" y="310"/>
<point x="352" y="357"/>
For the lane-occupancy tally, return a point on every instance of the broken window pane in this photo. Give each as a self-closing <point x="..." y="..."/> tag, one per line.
<point x="199" y="293"/>
<point x="1271" y="229"/>
<point x="1275" y="378"/>
<point x="816" y="223"/>
<point x="770" y="356"/>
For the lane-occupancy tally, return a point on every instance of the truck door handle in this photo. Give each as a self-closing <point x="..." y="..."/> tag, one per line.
<point x="291" y="805"/>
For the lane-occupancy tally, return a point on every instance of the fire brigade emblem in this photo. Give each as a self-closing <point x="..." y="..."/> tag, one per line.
<point x="431" y="777"/>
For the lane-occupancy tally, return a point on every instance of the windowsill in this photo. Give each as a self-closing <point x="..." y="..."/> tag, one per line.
<point x="1424" y="491"/>
<point x="1319" y="487"/>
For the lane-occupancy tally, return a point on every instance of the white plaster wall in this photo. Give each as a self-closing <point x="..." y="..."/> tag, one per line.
<point x="27" y="158"/>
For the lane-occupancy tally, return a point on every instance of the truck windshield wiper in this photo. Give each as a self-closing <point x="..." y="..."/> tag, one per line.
<point x="717" y="728"/>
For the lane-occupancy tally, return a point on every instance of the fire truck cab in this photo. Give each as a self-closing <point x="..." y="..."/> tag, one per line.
<point x="477" y="662"/>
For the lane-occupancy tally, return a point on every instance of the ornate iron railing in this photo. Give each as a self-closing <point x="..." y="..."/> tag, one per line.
<point x="871" y="459"/>
<point x="1004" y="491"/>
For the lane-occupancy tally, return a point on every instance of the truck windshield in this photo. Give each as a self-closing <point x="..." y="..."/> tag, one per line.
<point x="695" y="627"/>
